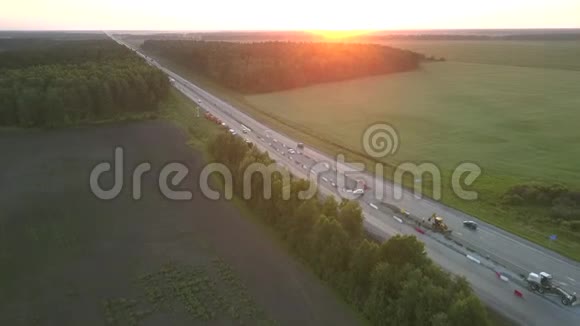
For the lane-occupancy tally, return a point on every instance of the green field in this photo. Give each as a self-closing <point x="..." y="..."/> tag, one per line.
<point x="543" y="54"/>
<point x="517" y="122"/>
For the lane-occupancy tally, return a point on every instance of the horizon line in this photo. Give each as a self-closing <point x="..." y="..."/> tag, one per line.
<point x="294" y="30"/>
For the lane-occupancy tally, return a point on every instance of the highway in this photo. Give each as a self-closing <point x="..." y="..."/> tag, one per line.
<point x="476" y="255"/>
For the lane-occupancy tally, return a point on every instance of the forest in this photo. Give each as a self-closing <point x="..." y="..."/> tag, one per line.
<point x="389" y="283"/>
<point x="66" y="82"/>
<point x="273" y="66"/>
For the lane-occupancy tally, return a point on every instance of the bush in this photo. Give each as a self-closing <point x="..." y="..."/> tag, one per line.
<point x="574" y="226"/>
<point x="566" y="212"/>
<point x="535" y="194"/>
<point x="563" y="203"/>
<point x="512" y="199"/>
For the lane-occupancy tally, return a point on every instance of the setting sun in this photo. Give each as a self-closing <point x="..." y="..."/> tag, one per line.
<point x="339" y="34"/>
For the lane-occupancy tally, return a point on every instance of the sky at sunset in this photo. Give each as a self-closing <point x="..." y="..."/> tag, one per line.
<point x="286" y="15"/>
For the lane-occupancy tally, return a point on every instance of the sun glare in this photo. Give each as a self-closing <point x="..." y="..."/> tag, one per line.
<point x="338" y="34"/>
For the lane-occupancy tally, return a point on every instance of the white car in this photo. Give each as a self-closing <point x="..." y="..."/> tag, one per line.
<point x="358" y="192"/>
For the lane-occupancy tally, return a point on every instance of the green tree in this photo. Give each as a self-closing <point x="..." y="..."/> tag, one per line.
<point x="364" y="259"/>
<point x="301" y="225"/>
<point x="29" y="107"/>
<point x="53" y="107"/>
<point x="331" y="249"/>
<point x="78" y="82"/>
<point x="468" y="311"/>
<point x="271" y="66"/>
<point x="378" y="307"/>
<point x="401" y="250"/>
<point x="330" y="207"/>
<point x="351" y="218"/>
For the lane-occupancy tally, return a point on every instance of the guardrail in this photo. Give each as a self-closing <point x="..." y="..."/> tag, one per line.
<point x="461" y="245"/>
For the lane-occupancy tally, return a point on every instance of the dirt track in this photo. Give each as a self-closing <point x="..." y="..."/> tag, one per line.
<point x="69" y="258"/>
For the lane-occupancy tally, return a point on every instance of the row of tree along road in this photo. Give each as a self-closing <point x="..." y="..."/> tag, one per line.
<point x="390" y="283"/>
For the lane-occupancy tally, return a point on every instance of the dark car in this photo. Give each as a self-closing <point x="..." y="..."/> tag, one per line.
<point x="470" y="225"/>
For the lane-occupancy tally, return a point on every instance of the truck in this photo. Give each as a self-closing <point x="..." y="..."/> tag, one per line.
<point x="543" y="283"/>
<point x="438" y="225"/>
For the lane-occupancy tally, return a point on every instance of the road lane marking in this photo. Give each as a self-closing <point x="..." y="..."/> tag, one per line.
<point x="473" y="259"/>
<point x="373" y="206"/>
<point x="397" y="219"/>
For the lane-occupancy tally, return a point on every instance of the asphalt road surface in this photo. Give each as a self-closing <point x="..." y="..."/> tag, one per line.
<point x="480" y="256"/>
